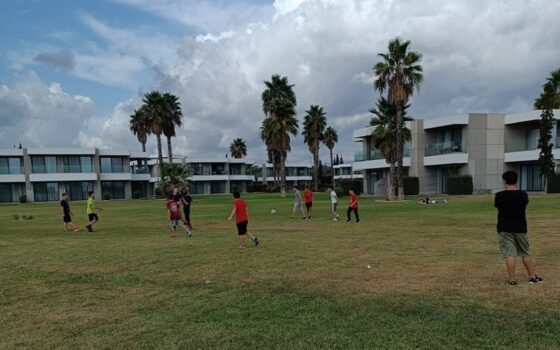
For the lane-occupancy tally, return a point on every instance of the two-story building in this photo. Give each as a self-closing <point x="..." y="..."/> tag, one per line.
<point x="345" y="172"/>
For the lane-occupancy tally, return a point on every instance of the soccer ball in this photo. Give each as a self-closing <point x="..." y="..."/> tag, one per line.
<point x="273" y="212"/>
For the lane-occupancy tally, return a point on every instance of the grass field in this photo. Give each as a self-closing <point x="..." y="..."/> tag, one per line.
<point x="436" y="279"/>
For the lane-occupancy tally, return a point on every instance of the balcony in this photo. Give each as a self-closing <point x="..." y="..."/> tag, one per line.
<point x="439" y="148"/>
<point x="11" y="170"/>
<point x="372" y="154"/>
<point x="142" y="169"/>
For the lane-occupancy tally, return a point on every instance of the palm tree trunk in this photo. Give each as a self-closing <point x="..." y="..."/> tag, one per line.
<point x="332" y="167"/>
<point x="160" y="156"/>
<point x="316" y="168"/>
<point x="392" y="183"/>
<point x="282" y="176"/>
<point x="144" y="147"/>
<point x="400" y="147"/>
<point x="169" y="151"/>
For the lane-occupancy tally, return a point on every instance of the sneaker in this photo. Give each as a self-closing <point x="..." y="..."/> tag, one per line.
<point x="188" y="233"/>
<point x="89" y="228"/>
<point x="305" y="217"/>
<point x="535" y="279"/>
<point x="512" y="283"/>
<point x="358" y="221"/>
<point x="335" y="219"/>
<point x="241" y="247"/>
<point x="256" y="241"/>
<point x="348" y="220"/>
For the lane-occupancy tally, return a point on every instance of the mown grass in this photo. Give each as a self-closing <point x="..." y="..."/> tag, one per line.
<point x="436" y="279"/>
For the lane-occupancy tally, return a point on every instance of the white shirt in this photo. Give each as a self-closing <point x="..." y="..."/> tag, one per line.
<point x="334" y="197"/>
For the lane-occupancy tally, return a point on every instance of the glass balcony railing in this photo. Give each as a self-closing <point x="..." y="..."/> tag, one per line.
<point x="435" y="149"/>
<point x="558" y="142"/>
<point x="11" y="170"/>
<point x="372" y="154"/>
<point x="139" y="169"/>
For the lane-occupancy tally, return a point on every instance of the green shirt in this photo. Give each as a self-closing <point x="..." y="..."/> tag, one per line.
<point x="90" y="205"/>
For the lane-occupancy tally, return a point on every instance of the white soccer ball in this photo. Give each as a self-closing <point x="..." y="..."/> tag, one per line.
<point x="273" y="211"/>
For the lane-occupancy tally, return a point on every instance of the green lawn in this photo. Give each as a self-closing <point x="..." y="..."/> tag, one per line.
<point x="436" y="279"/>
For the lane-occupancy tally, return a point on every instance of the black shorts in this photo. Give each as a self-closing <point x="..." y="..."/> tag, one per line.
<point x="67" y="218"/>
<point x="93" y="216"/>
<point x="242" y="227"/>
<point x="309" y="205"/>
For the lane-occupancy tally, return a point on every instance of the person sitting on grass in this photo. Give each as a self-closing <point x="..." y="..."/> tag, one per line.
<point x="174" y="216"/>
<point x="353" y="207"/>
<point x="67" y="214"/>
<point x="241" y="212"/>
<point x="91" y="211"/>
<point x="512" y="228"/>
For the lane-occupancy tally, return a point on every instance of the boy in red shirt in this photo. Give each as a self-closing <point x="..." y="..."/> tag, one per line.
<point x="174" y="216"/>
<point x="241" y="212"/>
<point x="308" y="197"/>
<point x="353" y="207"/>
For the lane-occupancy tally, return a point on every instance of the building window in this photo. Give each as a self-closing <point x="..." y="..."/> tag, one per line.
<point x="114" y="188"/>
<point x="85" y="165"/>
<point x="45" y="191"/>
<point x="112" y="165"/>
<point x="78" y="190"/>
<point x="140" y="187"/>
<point x="11" y="165"/>
<point x="218" y="187"/>
<point x="530" y="178"/>
<point x="197" y="188"/>
<point x="218" y="169"/>
<point x="10" y="192"/>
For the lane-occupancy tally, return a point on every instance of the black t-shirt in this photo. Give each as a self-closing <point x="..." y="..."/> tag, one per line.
<point x="187" y="200"/>
<point x="65" y="207"/>
<point x="177" y="197"/>
<point x="511" y="211"/>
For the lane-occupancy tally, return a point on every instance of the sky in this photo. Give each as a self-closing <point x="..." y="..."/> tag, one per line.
<point x="73" y="71"/>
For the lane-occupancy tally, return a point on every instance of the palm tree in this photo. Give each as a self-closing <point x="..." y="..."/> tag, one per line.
<point x="173" y="119"/>
<point x="238" y="148"/>
<point x="399" y="72"/>
<point x="139" y="127"/>
<point x="156" y="110"/>
<point x="314" y="124"/>
<point x="330" y="138"/>
<point x="279" y="107"/>
<point x="384" y="138"/>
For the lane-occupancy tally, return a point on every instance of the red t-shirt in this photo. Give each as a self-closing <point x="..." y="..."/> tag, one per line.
<point x="308" y="195"/>
<point x="240" y="210"/>
<point x="173" y="208"/>
<point x="353" y="198"/>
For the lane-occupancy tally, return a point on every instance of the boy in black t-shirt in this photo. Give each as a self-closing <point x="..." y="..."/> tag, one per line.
<point x="512" y="227"/>
<point x="187" y="200"/>
<point x="67" y="214"/>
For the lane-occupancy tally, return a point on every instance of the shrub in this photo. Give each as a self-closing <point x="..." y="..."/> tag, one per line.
<point x="136" y="195"/>
<point x="461" y="184"/>
<point x="553" y="184"/>
<point x="16" y="217"/>
<point x="159" y="192"/>
<point x="346" y="185"/>
<point x="256" y="187"/>
<point x="411" y="186"/>
<point x="107" y="196"/>
<point x="275" y="189"/>
<point x="23" y="198"/>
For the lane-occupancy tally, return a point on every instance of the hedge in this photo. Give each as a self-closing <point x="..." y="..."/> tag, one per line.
<point x="461" y="184"/>
<point x="553" y="184"/>
<point x="257" y="187"/>
<point x="411" y="186"/>
<point x="343" y="186"/>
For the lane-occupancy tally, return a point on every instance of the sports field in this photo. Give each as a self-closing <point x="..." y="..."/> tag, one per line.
<point x="436" y="279"/>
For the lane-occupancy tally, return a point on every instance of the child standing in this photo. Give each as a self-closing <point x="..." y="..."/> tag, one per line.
<point x="512" y="228"/>
<point x="297" y="203"/>
<point x="187" y="200"/>
<point x="91" y="211"/>
<point x="67" y="214"/>
<point x="353" y="207"/>
<point x="174" y="216"/>
<point x="241" y="212"/>
<point x="334" y="204"/>
<point x="308" y="196"/>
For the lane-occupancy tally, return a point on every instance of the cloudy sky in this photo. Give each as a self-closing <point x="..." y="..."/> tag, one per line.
<point x="71" y="72"/>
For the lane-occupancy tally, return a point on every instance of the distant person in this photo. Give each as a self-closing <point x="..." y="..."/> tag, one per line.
<point x="176" y="194"/>
<point x="241" y="212"/>
<point x="297" y="203"/>
<point x="92" y="211"/>
<point x="67" y="214"/>
<point x="187" y="200"/>
<point x="334" y="204"/>
<point x="308" y="197"/>
<point x="353" y="207"/>
<point x="512" y="228"/>
<point x="174" y="216"/>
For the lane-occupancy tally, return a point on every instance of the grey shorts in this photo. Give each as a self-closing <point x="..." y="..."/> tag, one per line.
<point x="333" y="207"/>
<point x="297" y="206"/>
<point x="173" y="223"/>
<point x="513" y="244"/>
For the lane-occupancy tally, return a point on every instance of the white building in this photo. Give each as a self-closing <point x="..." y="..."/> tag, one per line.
<point x="296" y="175"/>
<point x="345" y="172"/>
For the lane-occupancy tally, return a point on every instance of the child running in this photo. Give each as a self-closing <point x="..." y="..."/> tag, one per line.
<point x="174" y="216"/>
<point x="91" y="211"/>
<point x="297" y="203"/>
<point x="67" y="214"/>
<point x="353" y="207"/>
<point x="241" y="212"/>
<point x="308" y="196"/>
<point x="334" y="204"/>
<point x="512" y="228"/>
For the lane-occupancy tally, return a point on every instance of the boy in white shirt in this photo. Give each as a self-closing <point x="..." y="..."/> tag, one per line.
<point x="334" y="203"/>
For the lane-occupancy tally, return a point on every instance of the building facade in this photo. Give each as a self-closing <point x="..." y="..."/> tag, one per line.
<point x="43" y="174"/>
<point x="296" y="175"/>
<point x="482" y="145"/>
<point x="345" y="172"/>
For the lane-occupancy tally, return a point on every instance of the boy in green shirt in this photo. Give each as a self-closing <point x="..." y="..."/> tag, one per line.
<point x="91" y="211"/>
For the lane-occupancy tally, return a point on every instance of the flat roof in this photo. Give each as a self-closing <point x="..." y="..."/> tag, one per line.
<point x="61" y="151"/>
<point x="462" y="119"/>
<point x="528" y="116"/>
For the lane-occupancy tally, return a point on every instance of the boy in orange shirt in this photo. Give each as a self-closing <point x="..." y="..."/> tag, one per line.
<point x="308" y="197"/>
<point x="353" y="207"/>
<point x="241" y="212"/>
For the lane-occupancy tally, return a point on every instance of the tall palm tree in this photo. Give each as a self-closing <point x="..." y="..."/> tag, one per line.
<point x="330" y="138"/>
<point x="384" y="138"/>
<point x="173" y="119"/>
<point x="399" y="73"/>
<point x="279" y="107"/>
<point x="139" y="126"/>
<point x="314" y="124"/>
<point x="156" y="110"/>
<point x="238" y="148"/>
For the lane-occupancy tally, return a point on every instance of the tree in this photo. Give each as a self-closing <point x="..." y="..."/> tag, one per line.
<point x="399" y="73"/>
<point x="330" y="138"/>
<point x="384" y="137"/>
<point x="279" y="107"/>
<point x="156" y="110"/>
<point x="176" y="175"/>
<point x="341" y="160"/>
<point x="139" y="126"/>
<point x="547" y="101"/>
<point x="314" y="124"/>
<point x="238" y="148"/>
<point x="173" y="118"/>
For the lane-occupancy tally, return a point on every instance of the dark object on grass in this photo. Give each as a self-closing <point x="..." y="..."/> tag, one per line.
<point x="23" y="198"/>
